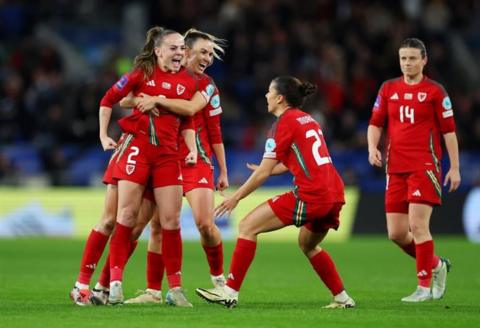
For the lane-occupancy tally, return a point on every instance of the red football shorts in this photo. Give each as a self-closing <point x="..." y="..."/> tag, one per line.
<point x="422" y="187"/>
<point x="139" y="161"/>
<point x="315" y="217"/>
<point x="108" y="175"/>
<point x="197" y="176"/>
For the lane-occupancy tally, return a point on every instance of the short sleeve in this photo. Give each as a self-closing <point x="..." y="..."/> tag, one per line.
<point x="279" y="140"/>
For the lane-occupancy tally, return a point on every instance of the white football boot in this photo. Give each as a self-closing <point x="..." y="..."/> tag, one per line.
<point x="146" y="296"/>
<point x="218" y="295"/>
<point x="176" y="297"/>
<point x="439" y="278"/>
<point x="421" y="294"/>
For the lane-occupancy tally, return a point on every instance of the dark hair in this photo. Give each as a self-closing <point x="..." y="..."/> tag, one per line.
<point x="294" y="90"/>
<point x="414" y="43"/>
<point x="146" y="60"/>
<point x="192" y="35"/>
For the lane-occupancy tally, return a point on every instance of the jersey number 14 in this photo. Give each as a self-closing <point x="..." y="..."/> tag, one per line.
<point x="407" y="113"/>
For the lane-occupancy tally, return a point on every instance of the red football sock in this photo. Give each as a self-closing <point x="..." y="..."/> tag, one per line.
<point x="155" y="270"/>
<point x="323" y="264"/>
<point x="424" y="262"/>
<point x="241" y="260"/>
<point x="104" y="279"/>
<point x="120" y="247"/>
<point x="92" y="253"/>
<point x="172" y="256"/>
<point x="215" y="258"/>
<point x="410" y="250"/>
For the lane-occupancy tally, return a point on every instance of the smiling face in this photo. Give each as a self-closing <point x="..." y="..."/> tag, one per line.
<point x="171" y="52"/>
<point x="411" y="64"/>
<point x="200" y="56"/>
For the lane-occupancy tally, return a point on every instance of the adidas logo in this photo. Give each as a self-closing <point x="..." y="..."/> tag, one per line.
<point x="422" y="273"/>
<point x="230" y="276"/>
<point x="180" y="177"/>
<point x="91" y="266"/>
<point x="395" y="96"/>
<point x="203" y="180"/>
<point x="151" y="83"/>
<point x="417" y="193"/>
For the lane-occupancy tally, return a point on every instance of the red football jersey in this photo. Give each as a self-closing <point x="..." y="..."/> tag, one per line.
<point x="297" y="141"/>
<point x="415" y="116"/>
<point x="207" y="121"/>
<point x="161" y="130"/>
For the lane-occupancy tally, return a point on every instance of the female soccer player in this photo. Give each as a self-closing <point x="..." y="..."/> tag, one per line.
<point x="296" y="142"/>
<point x="151" y="155"/>
<point x="417" y="112"/>
<point x="198" y="180"/>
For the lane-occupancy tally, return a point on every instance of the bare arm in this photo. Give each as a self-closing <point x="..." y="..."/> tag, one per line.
<point x="277" y="170"/>
<point x="182" y="106"/>
<point x="222" y="180"/>
<point x="178" y="106"/>
<point x="373" y="137"/>
<point x="189" y="137"/>
<point x="104" y="116"/>
<point x="256" y="179"/>
<point x="453" y="174"/>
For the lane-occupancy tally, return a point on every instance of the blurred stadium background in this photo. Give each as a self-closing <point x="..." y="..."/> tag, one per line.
<point x="57" y="58"/>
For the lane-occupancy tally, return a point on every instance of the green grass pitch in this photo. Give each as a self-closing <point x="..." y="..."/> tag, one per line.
<point x="281" y="289"/>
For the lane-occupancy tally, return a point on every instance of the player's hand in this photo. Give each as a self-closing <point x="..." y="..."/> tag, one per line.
<point x="108" y="143"/>
<point x="252" y="167"/>
<point x="222" y="183"/>
<point x="226" y="207"/>
<point x="146" y="103"/>
<point x="375" y="157"/>
<point x="191" y="158"/>
<point x="453" y="176"/>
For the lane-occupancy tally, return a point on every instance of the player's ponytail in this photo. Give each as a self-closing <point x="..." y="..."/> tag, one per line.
<point x="294" y="90"/>
<point x="146" y="60"/>
<point x="307" y="88"/>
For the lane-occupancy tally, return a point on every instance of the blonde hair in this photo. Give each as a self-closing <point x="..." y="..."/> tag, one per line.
<point x="193" y="35"/>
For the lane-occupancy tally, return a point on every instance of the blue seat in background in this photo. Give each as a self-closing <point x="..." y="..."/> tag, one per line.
<point x="24" y="157"/>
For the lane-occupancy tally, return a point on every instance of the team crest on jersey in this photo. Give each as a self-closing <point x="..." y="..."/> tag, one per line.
<point x="180" y="89"/>
<point x="130" y="169"/>
<point x="446" y="103"/>
<point x="422" y="96"/>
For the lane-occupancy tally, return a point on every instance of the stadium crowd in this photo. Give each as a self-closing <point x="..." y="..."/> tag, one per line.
<point x="346" y="47"/>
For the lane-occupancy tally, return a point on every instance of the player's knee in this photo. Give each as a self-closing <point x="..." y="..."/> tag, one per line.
<point x="205" y="228"/>
<point x="246" y="229"/>
<point x="306" y="246"/>
<point x="106" y="225"/>
<point x="127" y="216"/>
<point x="397" y="236"/>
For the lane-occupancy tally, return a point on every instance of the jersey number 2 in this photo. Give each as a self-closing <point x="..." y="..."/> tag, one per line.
<point x="316" y="147"/>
